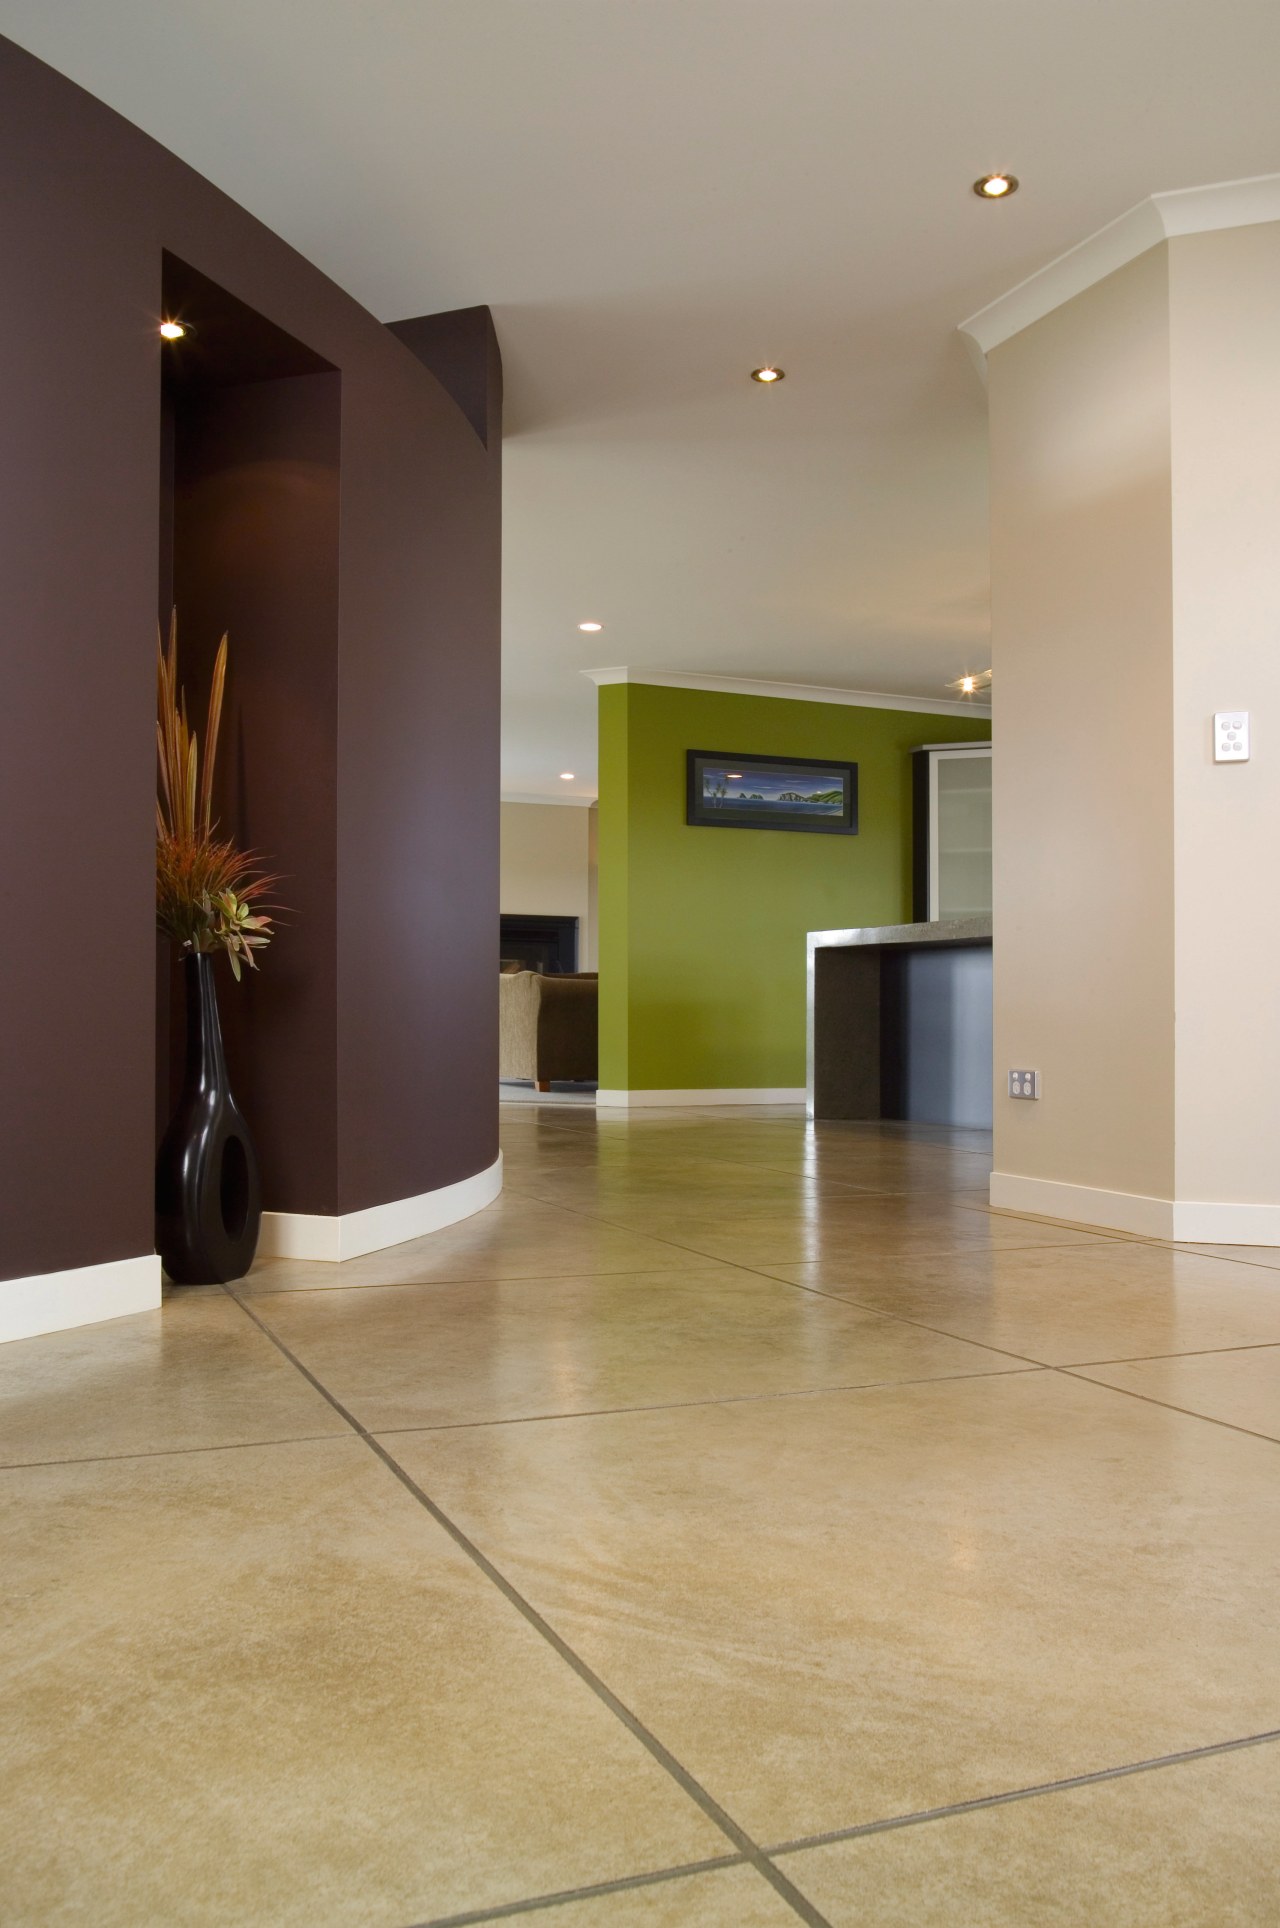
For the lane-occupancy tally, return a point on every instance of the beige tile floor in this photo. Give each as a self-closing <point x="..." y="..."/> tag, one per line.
<point x="737" y="1524"/>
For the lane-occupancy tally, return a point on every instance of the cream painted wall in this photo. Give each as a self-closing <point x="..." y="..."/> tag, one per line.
<point x="548" y="866"/>
<point x="1081" y="563"/>
<point x="1225" y="349"/>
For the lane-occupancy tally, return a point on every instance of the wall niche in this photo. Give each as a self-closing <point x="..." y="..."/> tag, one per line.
<point x="250" y="474"/>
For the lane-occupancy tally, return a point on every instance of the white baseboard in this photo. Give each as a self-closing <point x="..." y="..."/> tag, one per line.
<point x="1208" y="1222"/>
<point x="1184" y="1221"/>
<point x="746" y="1095"/>
<point x="56" y="1301"/>
<point x="312" y="1235"/>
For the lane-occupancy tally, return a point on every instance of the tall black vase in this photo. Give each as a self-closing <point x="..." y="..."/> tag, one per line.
<point x="208" y="1198"/>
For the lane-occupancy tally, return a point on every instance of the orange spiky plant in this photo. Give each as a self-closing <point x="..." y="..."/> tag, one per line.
<point x="208" y="893"/>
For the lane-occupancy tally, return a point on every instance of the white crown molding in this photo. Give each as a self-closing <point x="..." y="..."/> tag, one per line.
<point x="557" y="803"/>
<point x="56" y="1301"/>
<point x="792" y="692"/>
<point x="327" y="1241"/>
<point x="1191" y="210"/>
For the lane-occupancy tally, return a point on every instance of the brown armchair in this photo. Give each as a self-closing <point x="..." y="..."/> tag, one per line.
<point x="547" y="1027"/>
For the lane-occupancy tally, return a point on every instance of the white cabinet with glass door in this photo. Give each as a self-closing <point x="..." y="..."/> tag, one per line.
<point x="952" y="830"/>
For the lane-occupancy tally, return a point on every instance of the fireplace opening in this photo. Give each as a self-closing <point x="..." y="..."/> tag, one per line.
<point x="546" y="944"/>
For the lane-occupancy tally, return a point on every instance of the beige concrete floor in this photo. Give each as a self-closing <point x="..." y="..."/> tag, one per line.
<point x="737" y="1523"/>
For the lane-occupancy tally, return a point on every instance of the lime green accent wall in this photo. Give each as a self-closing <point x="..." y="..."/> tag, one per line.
<point x="702" y="931"/>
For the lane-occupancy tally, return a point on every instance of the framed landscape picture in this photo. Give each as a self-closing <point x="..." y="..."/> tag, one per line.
<point x="771" y="793"/>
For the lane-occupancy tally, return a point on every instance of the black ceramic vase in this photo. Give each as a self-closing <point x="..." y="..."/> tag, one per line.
<point x="208" y="1199"/>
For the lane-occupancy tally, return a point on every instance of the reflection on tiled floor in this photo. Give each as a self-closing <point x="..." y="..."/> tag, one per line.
<point x="736" y="1524"/>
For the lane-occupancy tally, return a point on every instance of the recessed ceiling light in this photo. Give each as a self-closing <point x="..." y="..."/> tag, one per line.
<point x="996" y="187"/>
<point x="590" y="626"/>
<point x="566" y="776"/>
<point x="968" y="684"/>
<point x="174" y="330"/>
<point x="768" y="374"/>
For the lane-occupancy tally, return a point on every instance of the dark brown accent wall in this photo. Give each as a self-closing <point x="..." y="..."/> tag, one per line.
<point x="345" y="526"/>
<point x="460" y="347"/>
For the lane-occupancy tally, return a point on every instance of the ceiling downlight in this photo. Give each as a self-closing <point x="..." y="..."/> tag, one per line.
<point x="996" y="187"/>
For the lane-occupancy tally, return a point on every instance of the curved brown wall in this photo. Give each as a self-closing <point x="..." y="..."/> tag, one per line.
<point x="382" y="1071"/>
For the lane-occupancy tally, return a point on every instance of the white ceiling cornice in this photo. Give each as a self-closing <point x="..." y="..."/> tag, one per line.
<point x="1191" y="210"/>
<point x="554" y="803"/>
<point x="793" y="692"/>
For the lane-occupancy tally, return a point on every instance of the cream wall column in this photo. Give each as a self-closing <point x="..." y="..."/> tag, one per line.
<point x="1225" y="355"/>
<point x="1135" y="506"/>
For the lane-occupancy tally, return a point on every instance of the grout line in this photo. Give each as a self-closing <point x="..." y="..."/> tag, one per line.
<point x="918" y="1325"/>
<point x="1155" y="1358"/>
<point x="1196" y="1252"/>
<point x="1166" y="1405"/>
<point x="1045" y="1365"/>
<point x="502" y="1911"/>
<point x="484" y="1278"/>
<point x="942" y="1813"/>
<point x="680" y="1774"/>
<point x="168" y="1452"/>
<point x="685" y="1405"/>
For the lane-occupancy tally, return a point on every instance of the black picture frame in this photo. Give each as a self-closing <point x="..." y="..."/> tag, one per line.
<point x="769" y="807"/>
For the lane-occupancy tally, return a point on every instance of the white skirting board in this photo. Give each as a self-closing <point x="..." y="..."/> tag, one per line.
<point x="311" y="1235"/>
<point x="55" y="1301"/>
<point x="1181" y="1220"/>
<point x="747" y="1095"/>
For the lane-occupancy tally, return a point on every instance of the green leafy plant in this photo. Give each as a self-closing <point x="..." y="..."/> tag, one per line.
<point x="208" y="894"/>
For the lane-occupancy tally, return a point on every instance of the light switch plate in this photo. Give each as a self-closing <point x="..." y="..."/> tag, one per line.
<point x="1231" y="736"/>
<point x="1024" y="1084"/>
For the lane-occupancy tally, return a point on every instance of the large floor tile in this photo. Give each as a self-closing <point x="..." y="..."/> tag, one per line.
<point x="722" y="1898"/>
<point x="520" y="1349"/>
<point x="855" y="1605"/>
<point x="711" y="1187"/>
<point x="1242" y="1388"/>
<point x="514" y="1238"/>
<point x="840" y="1232"/>
<point x="1070" y="1304"/>
<point x="1187" y="1846"/>
<point x="774" y="1204"/>
<point x="927" y="1167"/>
<point x="197" y="1372"/>
<point x="263" y="1686"/>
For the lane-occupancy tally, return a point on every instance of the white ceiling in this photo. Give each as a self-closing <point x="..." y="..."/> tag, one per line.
<point x="655" y="196"/>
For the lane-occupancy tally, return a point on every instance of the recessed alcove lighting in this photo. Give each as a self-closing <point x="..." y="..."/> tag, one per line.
<point x="996" y="187"/>
<point x="591" y="626"/>
<point x="175" y="330"/>
<point x="768" y="374"/>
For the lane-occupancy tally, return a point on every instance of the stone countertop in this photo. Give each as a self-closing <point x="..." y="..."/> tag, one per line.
<point x="943" y="930"/>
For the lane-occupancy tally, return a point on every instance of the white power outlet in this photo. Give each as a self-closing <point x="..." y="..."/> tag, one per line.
<point x="1024" y="1084"/>
<point x="1231" y="736"/>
